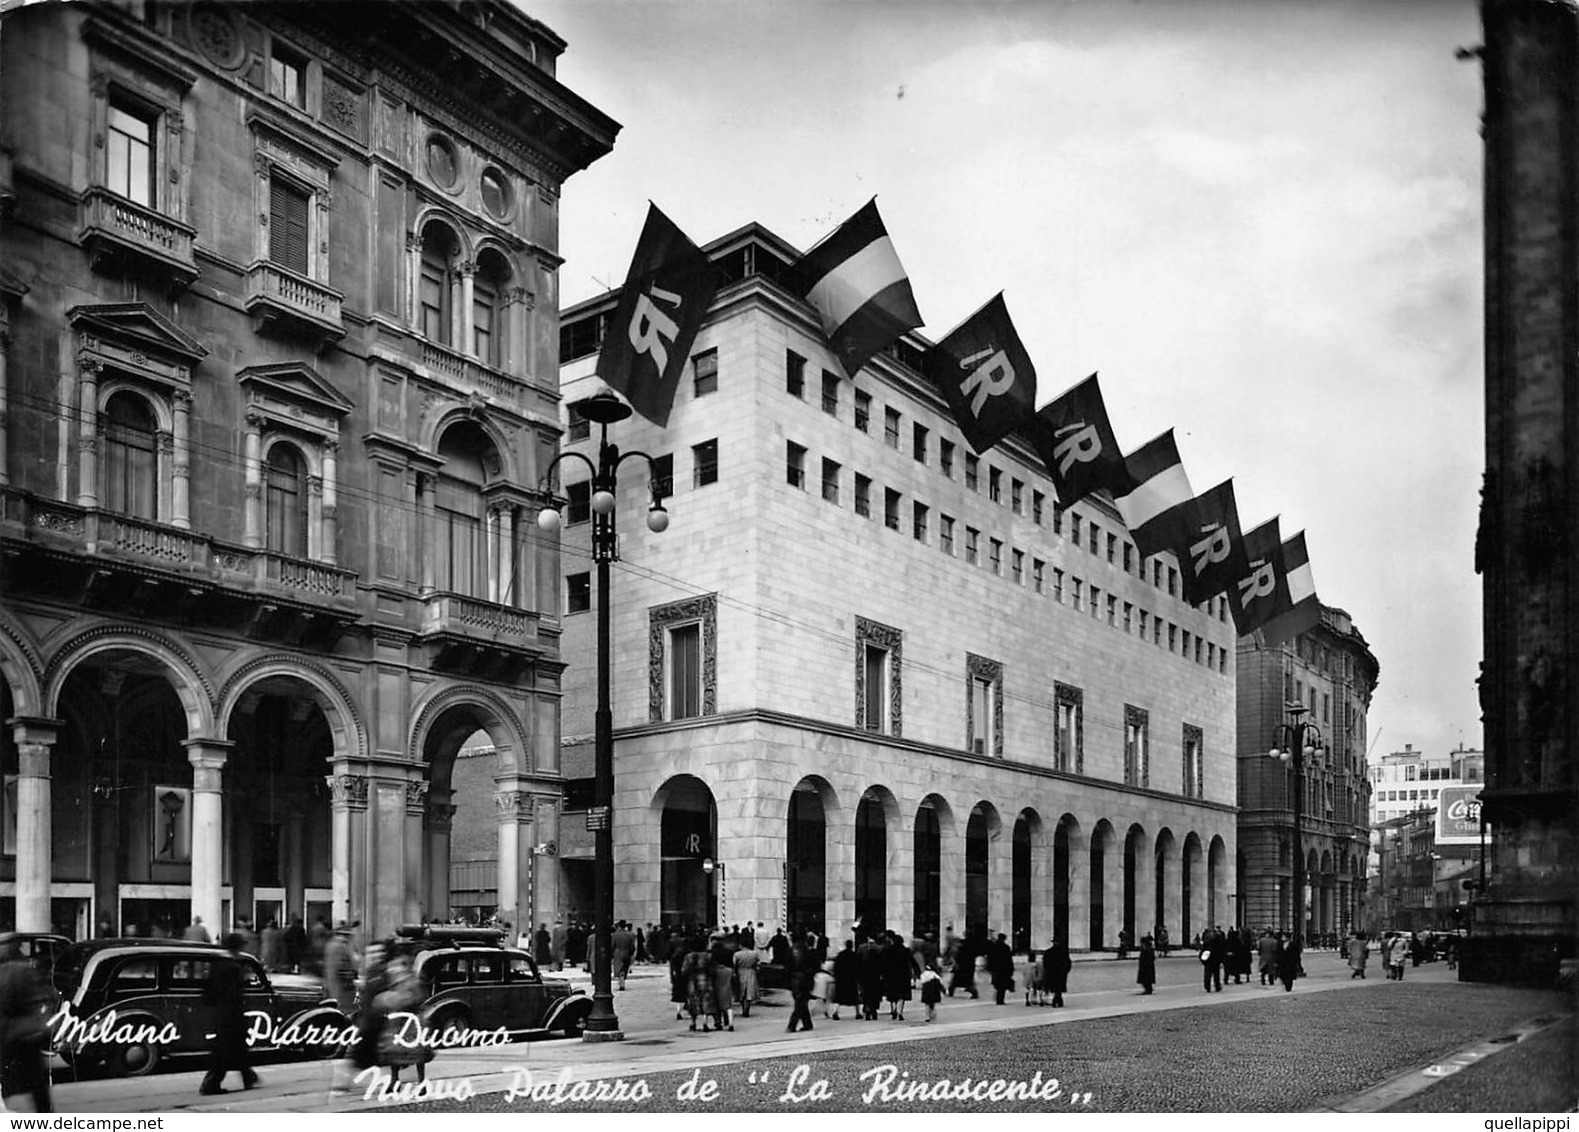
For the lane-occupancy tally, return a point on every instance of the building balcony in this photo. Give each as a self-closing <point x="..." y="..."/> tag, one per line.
<point x="468" y="375"/>
<point x="117" y="231"/>
<point x="483" y="638"/>
<point x="95" y="558"/>
<point x="280" y="299"/>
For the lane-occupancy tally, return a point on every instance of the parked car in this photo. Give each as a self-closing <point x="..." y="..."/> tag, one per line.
<point x="41" y="948"/>
<point x="129" y="1004"/>
<point x="476" y="985"/>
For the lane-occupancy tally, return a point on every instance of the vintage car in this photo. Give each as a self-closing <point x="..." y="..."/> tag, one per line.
<point x="476" y="986"/>
<point x="40" y="948"/>
<point x="128" y="1004"/>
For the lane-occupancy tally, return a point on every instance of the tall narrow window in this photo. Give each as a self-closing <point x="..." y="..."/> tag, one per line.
<point x="863" y="410"/>
<point x="129" y="146"/>
<point x="488" y="324"/>
<point x="1137" y="770"/>
<point x="863" y="495"/>
<point x="288" y="225"/>
<point x="704" y="366"/>
<point x="1067" y="754"/>
<point x="131" y="468"/>
<point x="459" y="515"/>
<point x="919" y="445"/>
<point x="876" y="698"/>
<point x="918" y="521"/>
<point x="287" y="72"/>
<point x="980" y="715"/>
<point x="890" y="509"/>
<point x="795" y="465"/>
<point x="830" y="393"/>
<point x="891" y="427"/>
<point x="704" y="462"/>
<point x="433" y="287"/>
<point x="285" y="501"/>
<point x="946" y="457"/>
<point x="794" y="374"/>
<point x="830" y="480"/>
<point x="685" y="671"/>
<point x="946" y="534"/>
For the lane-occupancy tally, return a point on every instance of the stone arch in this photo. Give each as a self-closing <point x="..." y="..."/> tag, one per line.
<point x="1106" y="885"/>
<point x="878" y="892"/>
<point x="20" y="668"/>
<point x="323" y="688"/>
<point x="935" y="858"/>
<point x="1030" y="915"/>
<point x="1068" y="886"/>
<point x="1216" y="869"/>
<point x="433" y="428"/>
<point x="985" y="885"/>
<point x="462" y="247"/>
<point x="1138" y="861"/>
<point x="1164" y="906"/>
<point x="491" y="713"/>
<point x="685" y="811"/>
<point x="191" y="683"/>
<point x="811" y="860"/>
<point x="1193" y="898"/>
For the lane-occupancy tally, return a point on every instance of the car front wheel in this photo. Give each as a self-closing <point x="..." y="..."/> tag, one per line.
<point x="136" y="1059"/>
<point x="573" y="1022"/>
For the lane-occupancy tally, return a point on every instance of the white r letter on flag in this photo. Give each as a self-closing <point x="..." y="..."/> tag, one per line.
<point x="1083" y="446"/>
<point x="650" y="326"/>
<point x="1259" y="584"/>
<point x="996" y="376"/>
<point x="1212" y="548"/>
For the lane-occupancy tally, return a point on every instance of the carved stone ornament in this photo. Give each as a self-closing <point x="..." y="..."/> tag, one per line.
<point x="348" y="790"/>
<point x="216" y="33"/>
<point x="342" y="107"/>
<point x="417" y="796"/>
<point x="660" y="620"/>
<point x="991" y="671"/>
<point x="513" y="805"/>
<point x="893" y="640"/>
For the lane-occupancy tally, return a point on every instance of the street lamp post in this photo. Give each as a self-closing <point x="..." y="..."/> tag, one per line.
<point x="1295" y="742"/>
<point x="603" y="409"/>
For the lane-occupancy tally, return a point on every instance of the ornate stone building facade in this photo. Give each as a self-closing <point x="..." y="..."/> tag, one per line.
<point x="1527" y="920"/>
<point x="278" y="376"/>
<point x="868" y="674"/>
<point x="1330" y="672"/>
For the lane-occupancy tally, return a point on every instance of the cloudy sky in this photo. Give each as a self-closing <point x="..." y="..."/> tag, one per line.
<point x="1259" y="222"/>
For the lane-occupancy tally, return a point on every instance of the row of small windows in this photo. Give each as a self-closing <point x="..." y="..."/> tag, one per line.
<point x="1179" y="640"/>
<point x="1408" y="795"/>
<point x="1022" y="499"/>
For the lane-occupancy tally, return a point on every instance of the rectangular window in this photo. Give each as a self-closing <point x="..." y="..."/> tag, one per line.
<point x="1194" y="771"/>
<point x="863" y="410"/>
<point x="830" y="393"/>
<point x="1096" y="536"/>
<point x="1058" y="519"/>
<point x="946" y="457"/>
<point x="996" y="547"/>
<point x="1197" y="648"/>
<point x="1017" y="566"/>
<point x="1067" y="729"/>
<point x="1173" y="637"/>
<point x="1173" y="581"/>
<point x="876" y="699"/>
<point x="704" y="367"/>
<point x="580" y="427"/>
<point x="129" y="145"/>
<point x="1143" y="616"/>
<point x="1038" y="574"/>
<point x="1326" y="707"/>
<point x="484" y="340"/>
<point x="1096" y="602"/>
<point x="1129" y="616"/>
<point x="1017" y="497"/>
<point x="1112" y="548"/>
<point x="661" y="485"/>
<point x="891" y="427"/>
<point x="972" y="545"/>
<point x="1077" y="588"/>
<point x="1185" y="651"/>
<point x="995" y="485"/>
<point x="1136" y="769"/>
<point x="578" y="593"/>
<point x="1156" y="573"/>
<point x="946" y="534"/>
<point x="794" y="374"/>
<point x="1112" y="610"/>
<point x="890" y="509"/>
<point x="1038" y="501"/>
<point x="795" y="465"/>
<point x="1058" y="586"/>
<point x="1211" y="655"/>
<point x="433" y="301"/>
<point x="972" y="470"/>
<point x="830" y="480"/>
<point x="918" y="521"/>
<point x="704" y="460"/>
<point x="1129" y="556"/>
<point x="919" y="446"/>
<point x="863" y="495"/>
<point x="1074" y="529"/>
<point x="286" y="77"/>
<point x="980" y="715"/>
<point x="288" y="208"/>
<point x="1156" y="626"/>
<point x="685" y="671"/>
<point x="579" y="507"/>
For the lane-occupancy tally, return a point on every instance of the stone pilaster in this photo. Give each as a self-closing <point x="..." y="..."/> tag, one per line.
<point x="208" y="757"/>
<point x="35" y="739"/>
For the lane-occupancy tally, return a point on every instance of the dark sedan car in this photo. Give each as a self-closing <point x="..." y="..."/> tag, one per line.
<point x="130" y="1003"/>
<point x="479" y="991"/>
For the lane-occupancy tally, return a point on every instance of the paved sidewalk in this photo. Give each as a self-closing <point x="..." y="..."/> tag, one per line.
<point x="656" y="1042"/>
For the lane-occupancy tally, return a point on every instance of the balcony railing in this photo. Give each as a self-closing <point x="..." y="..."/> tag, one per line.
<point x="470" y="375"/>
<point x="114" y="227"/>
<point x="274" y="292"/>
<point x="462" y="616"/>
<point x="125" y="538"/>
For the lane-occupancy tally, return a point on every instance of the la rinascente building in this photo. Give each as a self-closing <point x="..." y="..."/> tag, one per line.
<point x="278" y="317"/>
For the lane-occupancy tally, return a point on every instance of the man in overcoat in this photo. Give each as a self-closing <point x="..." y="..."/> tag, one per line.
<point x="1056" y="965"/>
<point x="225" y="996"/>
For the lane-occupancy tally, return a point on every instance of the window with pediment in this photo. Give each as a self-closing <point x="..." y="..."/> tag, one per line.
<point x="285" y="500"/>
<point x="292" y="423"/>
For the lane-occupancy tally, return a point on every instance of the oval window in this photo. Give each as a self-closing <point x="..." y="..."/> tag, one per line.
<point x="495" y="194"/>
<point x="441" y="161"/>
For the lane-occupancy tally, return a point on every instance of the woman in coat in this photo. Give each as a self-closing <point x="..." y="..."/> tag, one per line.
<point x="698" y="973"/>
<point x="722" y="951"/>
<point x="746" y="960"/>
<point x="1146" y="975"/>
<point x="869" y="956"/>
<point x="900" y="970"/>
<point x="677" y="980"/>
<point x="1359" y="952"/>
<point x="846" y="980"/>
<point x="1055" y="970"/>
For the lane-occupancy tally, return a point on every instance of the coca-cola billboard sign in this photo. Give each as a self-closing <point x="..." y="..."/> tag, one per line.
<point x="1458" y="816"/>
